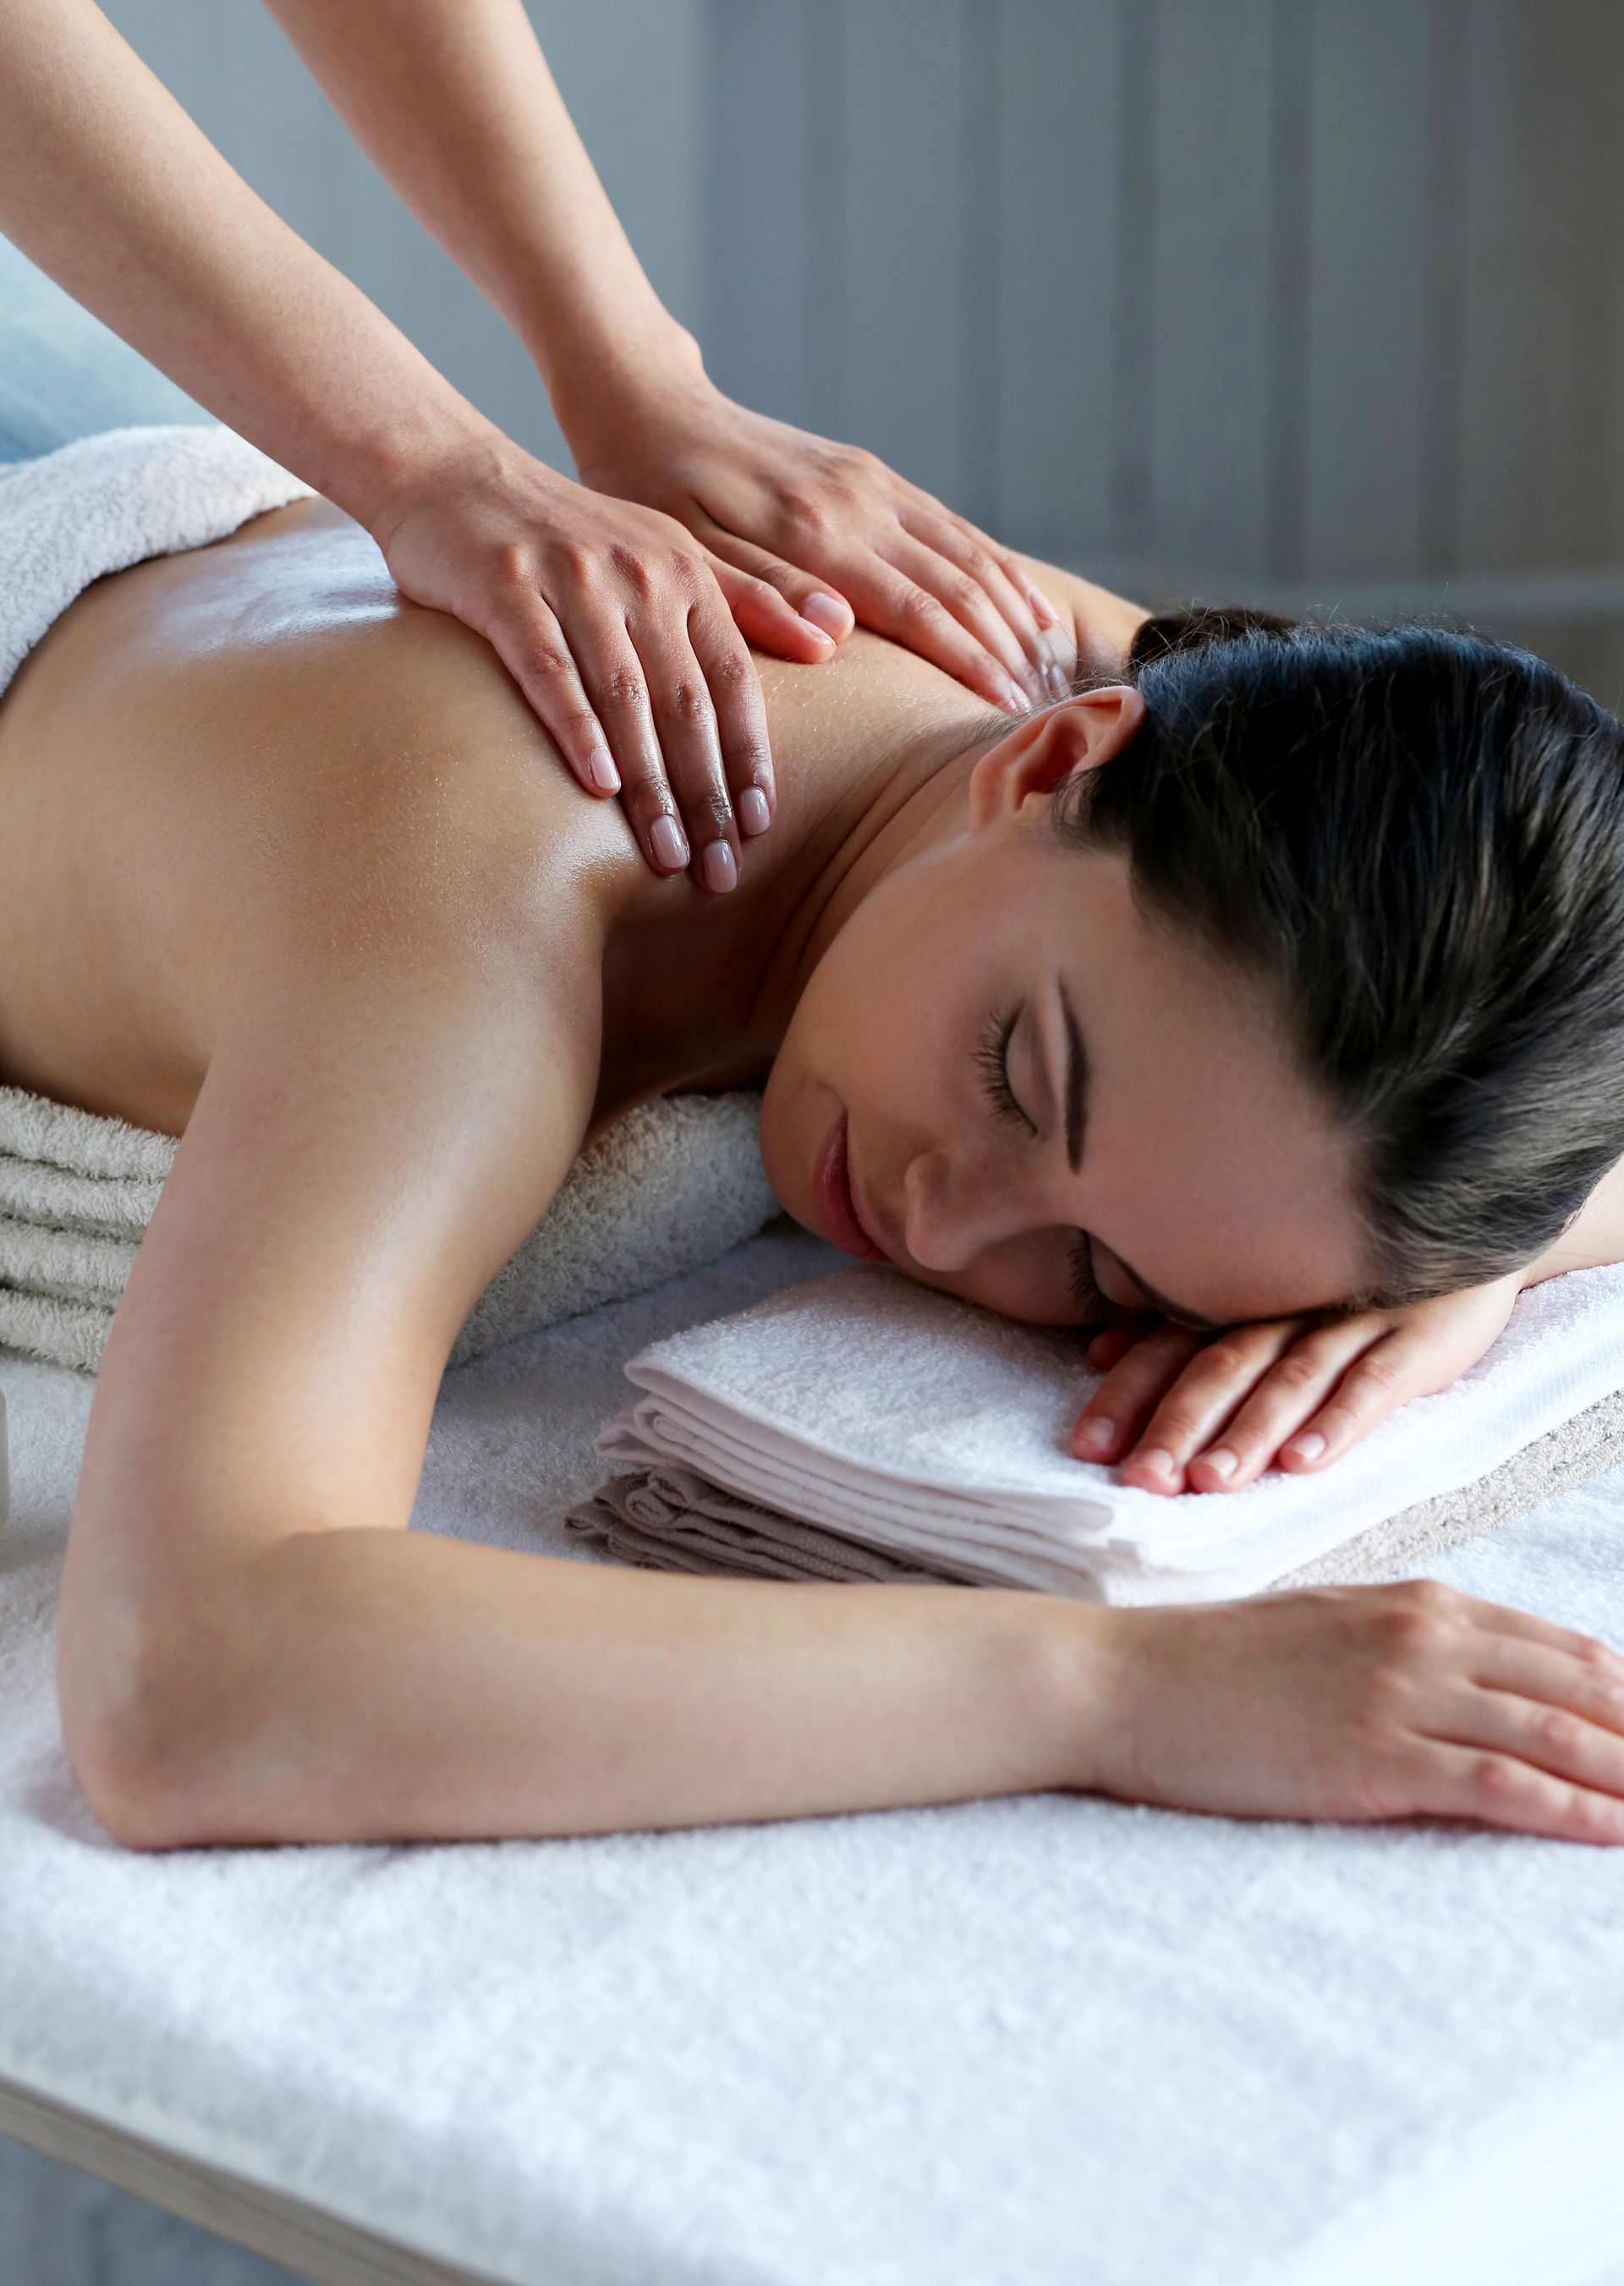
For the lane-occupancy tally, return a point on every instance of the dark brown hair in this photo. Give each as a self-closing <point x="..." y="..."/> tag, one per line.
<point x="1415" y="836"/>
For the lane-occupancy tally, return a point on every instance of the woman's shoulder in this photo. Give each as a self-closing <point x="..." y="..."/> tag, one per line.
<point x="255" y="757"/>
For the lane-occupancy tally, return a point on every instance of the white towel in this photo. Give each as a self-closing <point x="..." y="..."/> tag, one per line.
<point x="670" y="1186"/>
<point x="927" y="1428"/>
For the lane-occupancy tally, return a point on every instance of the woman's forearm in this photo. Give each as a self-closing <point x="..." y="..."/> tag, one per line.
<point x="368" y="1684"/>
<point x="110" y="187"/>
<point x="453" y="100"/>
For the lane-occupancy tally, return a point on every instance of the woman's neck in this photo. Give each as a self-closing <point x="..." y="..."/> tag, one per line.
<point x="698" y="990"/>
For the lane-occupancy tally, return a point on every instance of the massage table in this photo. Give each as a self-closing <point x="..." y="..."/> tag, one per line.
<point x="1016" y="2042"/>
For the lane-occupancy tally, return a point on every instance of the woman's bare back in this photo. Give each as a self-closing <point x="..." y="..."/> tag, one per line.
<point x="201" y="735"/>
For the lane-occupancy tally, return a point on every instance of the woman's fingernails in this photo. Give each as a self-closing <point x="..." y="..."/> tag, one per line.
<point x="600" y="762"/>
<point x="1013" y="697"/>
<point x="1097" y="1433"/>
<point x="669" y="842"/>
<point x="753" y="811"/>
<point x="718" y="868"/>
<point x="826" y="613"/>
<point x="1042" y="610"/>
<point x="1221" y="1460"/>
<point x="1307" y="1447"/>
<point x="1159" y="1463"/>
<point x="1056" y="682"/>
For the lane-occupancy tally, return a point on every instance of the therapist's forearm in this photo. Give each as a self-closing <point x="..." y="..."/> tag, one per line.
<point x="108" y="184"/>
<point x="453" y="100"/>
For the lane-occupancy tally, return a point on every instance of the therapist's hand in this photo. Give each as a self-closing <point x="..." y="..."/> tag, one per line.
<point x="629" y="641"/>
<point x="1217" y="1409"/>
<point x="832" y="528"/>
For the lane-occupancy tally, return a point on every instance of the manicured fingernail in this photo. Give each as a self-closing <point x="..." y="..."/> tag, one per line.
<point x="1013" y="698"/>
<point x="1307" y="1447"/>
<point x="604" y="775"/>
<point x="669" y="842"/>
<point x="1221" y="1460"/>
<point x="1159" y="1463"/>
<point x="1055" y="682"/>
<point x="752" y="813"/>
<point x="826" y="613"/>
<point x="716" y="864"/>
<point x="1043" y="611"/>
<point x="1097" y="1433"/>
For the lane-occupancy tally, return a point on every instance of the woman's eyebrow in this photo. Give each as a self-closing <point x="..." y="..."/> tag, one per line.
<point x="1076" y="1127"/>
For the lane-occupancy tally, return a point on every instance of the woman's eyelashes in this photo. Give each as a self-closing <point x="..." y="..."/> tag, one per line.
<point x="993" y="1058"/>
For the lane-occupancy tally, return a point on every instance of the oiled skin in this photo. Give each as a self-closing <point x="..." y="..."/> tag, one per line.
<point x="289" y="868"/>
<point x="196" y="733"/>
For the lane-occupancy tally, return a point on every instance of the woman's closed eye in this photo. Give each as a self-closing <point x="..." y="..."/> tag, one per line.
<point x="992" y="1058"/>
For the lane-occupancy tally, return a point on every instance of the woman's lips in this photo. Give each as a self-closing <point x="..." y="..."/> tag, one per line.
<point x="831" y="1193"/>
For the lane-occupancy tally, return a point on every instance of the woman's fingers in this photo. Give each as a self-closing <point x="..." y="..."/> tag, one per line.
<point x="1292" y="1395"/>
<point x="1390" y="1371"/>
<point x="1125" y="1400"/>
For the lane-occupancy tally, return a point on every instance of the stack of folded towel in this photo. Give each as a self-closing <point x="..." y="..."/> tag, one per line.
<point x="863" y="1427"/>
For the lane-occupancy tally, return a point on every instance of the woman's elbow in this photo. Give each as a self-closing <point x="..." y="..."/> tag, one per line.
<point x="143" y="1749"/>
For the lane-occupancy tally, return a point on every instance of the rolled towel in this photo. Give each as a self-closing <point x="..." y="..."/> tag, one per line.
<point x="670" y="1186"/>
<point x="910" y="1422"/>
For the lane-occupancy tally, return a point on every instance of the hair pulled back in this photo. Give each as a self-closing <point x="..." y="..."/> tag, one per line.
<point x="1414" y="837"/>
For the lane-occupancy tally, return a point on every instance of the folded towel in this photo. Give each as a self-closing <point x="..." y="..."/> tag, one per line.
<point x="913" y="1423"/>
<point x="673" y="1184"/>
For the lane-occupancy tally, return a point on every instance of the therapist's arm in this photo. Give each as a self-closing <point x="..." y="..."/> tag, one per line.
<point x="454" y="101"/>
<point x="614" y="620"/>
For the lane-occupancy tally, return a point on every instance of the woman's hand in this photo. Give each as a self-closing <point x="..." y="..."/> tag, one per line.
<point x="833" y="530"/>
<point x="628" y="640"/>
<point x="1361" y="1703"/>
<point x="1207" y="1413"/>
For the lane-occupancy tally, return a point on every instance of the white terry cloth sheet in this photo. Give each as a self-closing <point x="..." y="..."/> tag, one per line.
<point x="1024" y="2042"/>
<point x="921" y="1425"/>
<point x="669" y="1185"/>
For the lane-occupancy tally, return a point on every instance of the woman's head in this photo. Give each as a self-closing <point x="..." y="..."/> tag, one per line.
<point x="1340" y="917"/>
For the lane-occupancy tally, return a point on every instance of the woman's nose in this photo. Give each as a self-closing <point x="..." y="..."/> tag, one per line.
<point x="954" y="1209"/>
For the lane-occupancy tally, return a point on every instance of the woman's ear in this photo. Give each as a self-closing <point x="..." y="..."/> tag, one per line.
<point x="1077" y="734"/>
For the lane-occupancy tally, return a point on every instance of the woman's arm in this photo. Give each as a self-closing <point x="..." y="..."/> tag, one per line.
<point x="252" y="1648"/>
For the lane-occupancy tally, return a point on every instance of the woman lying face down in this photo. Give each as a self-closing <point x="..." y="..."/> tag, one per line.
<point x="1302" y="1014"/>
<point x="289" y="869"/>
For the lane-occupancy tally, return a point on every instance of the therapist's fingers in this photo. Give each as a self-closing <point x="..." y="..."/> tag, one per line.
<point x="817" y="618"/>
<point x="1027" y="612"/>
<point x="531" y="644"/>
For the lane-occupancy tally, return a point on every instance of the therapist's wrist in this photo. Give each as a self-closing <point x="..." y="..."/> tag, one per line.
<point x="609" y="389"/>
<point x="382" y="470"/>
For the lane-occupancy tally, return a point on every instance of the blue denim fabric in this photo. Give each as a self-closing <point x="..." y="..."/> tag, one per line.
<point x="63" y="375"/>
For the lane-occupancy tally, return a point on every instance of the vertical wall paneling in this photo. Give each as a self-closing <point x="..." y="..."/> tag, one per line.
<point x="902" y="97"/>
<point x="1324" y="297"/>
<point x="1048" y="313"/>
<point x="1290" y="299"/>
<point x="764" y="208"/>
<point x="1134" y="278"/>
<point x="1367" y="327"/>
<point x="1443" y="374"/>
<point x="1212" y="271"/>
<point x="983" y="304"/>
